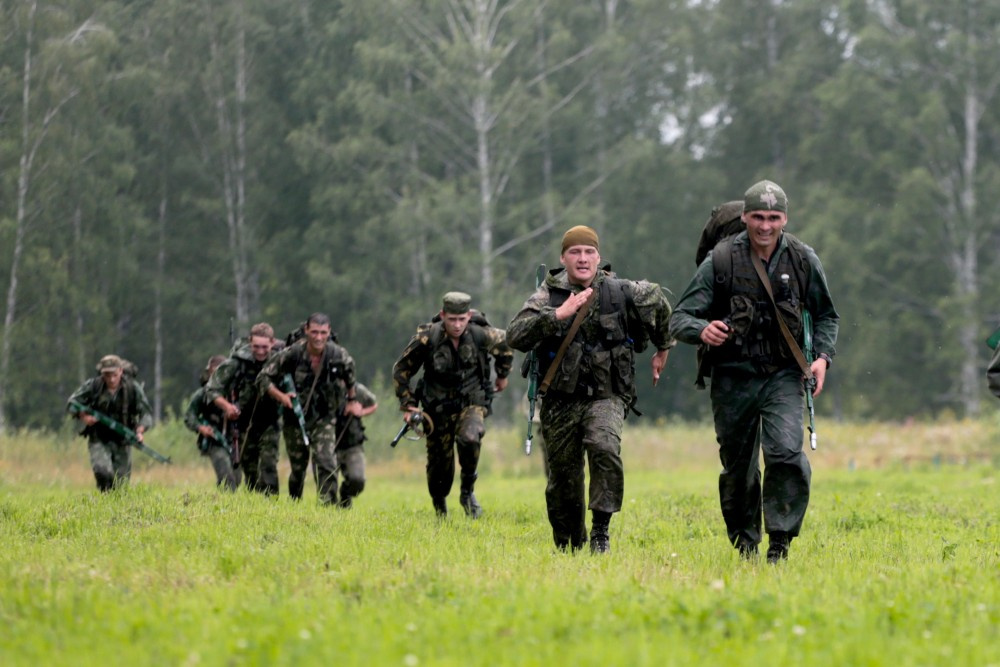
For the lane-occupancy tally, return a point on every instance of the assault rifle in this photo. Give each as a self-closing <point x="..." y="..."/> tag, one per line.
<point x="532" y="374"/>
<point x="810" y="354"/>
<point x="297" y="408"/>
<point x="420" y="423"/>
<point x="216" y="435"/>
<point x="131" y="437"/>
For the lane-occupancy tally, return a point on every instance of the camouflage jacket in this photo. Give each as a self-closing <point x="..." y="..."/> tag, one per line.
<point x="321" y="395"/>
<point x="600" y="359"/>
<point x="457" y="375"/>
<point x="201" y="410"/>
<point x="128" y="406"/>
<point x="993" y="373"/>
<point x="236" y="381"/>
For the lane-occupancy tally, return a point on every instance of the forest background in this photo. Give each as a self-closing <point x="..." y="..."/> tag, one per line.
<point x="169" y="167"/>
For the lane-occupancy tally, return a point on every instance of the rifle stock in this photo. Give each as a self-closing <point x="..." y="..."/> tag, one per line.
<point x="131" y="437"/>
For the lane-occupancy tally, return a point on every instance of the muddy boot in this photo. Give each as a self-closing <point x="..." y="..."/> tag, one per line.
<point x="467" y="499"/>
<point x="600" y="536"/>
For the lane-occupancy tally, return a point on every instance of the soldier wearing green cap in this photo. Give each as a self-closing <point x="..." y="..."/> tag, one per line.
<point x="456" y="390"/>
<point x="588" y="380"/>
<point x="115" y="393"/>
<point x="757" y="388"/>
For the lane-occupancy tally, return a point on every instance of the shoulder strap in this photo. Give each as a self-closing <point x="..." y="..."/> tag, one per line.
<point x="580" y="315"/>
<point x="722" y="267"/>
<point x="789" y="339"/>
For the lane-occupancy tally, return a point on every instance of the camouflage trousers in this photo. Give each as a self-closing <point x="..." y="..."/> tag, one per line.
<point x="111" y="463"/>
<point x="575" y="429"/>
<point x="259" y="460"/>
<point x="322" y="440"/>
<point x="462" y="431"/>
<point x="351" y="466"/>
<point x="226" y="476"/>
<point x="754" y="414"/>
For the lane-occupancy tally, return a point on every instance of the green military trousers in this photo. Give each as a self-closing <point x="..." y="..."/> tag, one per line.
<point x="322" y="441"/>
<point x="753" y="414"/>
<point x="574" y="428"/>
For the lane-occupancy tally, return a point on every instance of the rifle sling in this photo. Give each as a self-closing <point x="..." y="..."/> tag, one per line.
<point x="758" y="265"/>
<point x="570" y="335"/>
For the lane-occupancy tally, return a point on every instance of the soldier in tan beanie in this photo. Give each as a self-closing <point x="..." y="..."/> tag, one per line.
<point x="590" y="386"/>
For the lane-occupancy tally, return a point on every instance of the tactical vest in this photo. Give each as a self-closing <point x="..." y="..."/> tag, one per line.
<point x="742" y="302"/>
<point x="327" y="395"/>
<point x="600" y="361"/>
<point x="454" y="378"/>
<point x="122" y="407"/>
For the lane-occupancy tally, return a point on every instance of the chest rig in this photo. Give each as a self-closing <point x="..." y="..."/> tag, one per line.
<point x="741" y="301"/>
<point x="456" y="377"/>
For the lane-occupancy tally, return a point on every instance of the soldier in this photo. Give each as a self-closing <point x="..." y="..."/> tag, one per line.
<point x="455" y="391"/>
<point x="252" y="419"/>
<point x="993" y="373"/>
<point x="206" y="419"/>
<point x="322" y="374"/>
<point x="350" y="439"/>
<point x="588" y="366"/>
<point x="115" y="393"/>
<point x="757" y="382"/>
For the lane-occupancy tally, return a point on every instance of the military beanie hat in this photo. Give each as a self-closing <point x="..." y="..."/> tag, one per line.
<point x="456" y="303"/>
<point x="765" y="196"/>
<point x="579" y="235"/>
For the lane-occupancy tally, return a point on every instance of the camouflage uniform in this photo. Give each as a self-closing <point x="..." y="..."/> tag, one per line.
<point x="993" y="373"/>
<point x="456" y="392"/>
<point x="757" y="387"/>
<point x="322" y="396"/>
<point x="583" y="411"/>
<point x="110" y="455"/>
<point x="350" y="448"/>
<point x="257" y="428"/>
<point x="201" y="411"/>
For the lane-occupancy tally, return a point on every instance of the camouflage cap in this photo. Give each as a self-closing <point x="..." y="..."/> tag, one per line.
<point x="765" y="196"/>
<point x="110" y="362"/>
<point x="456" y="303"/>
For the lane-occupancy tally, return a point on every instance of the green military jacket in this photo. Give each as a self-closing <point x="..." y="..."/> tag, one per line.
<point x="993" y="373"/>
<point x="128" y="406"/>
<point x="458" y="377"/>
<point x="236" y="381"/>
<point x="536" y="327"/>
<point x="201" y="410"/>
<point x="323" y="394"/>
<point x="693" y="310"/>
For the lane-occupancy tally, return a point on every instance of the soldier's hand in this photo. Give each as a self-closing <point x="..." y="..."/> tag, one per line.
<point x="231" y="411"/>
<point x="354" y="407"/>
<point x="659" y="361"/>
<point x="205" y="430"/>
<point x="500" y="384"/>
<point x="715" y="334"/>
<point x="409" y="414"/>
<point x="138" y="433"/>
<point x="573" y="304"/>
<point x="89" y="420"/>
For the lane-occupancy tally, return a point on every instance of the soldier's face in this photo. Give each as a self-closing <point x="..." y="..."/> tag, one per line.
<point x="261" y="346"/>
<point x="317" y="334"/>
<point x="112" y="379"/>
<point x="455" y="325"/>
<point x="581" y="262"/>
<point x="764" y="229"/>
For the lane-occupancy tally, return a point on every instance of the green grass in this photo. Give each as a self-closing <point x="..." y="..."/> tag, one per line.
<point x="898" y="565"/>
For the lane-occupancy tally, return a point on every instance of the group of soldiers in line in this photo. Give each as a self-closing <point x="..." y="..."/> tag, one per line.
<point x="750" y="300"/>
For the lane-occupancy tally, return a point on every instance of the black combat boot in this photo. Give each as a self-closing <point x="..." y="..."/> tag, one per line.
<point x="777" y="549"/>
<point x="440" y="506"/>
<point x="748" y="550"/>
<point x="467" y="499"/>
<point x="600" y="537"/>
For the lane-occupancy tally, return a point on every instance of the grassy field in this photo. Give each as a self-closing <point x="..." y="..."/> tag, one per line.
<point x="898" y="564"/>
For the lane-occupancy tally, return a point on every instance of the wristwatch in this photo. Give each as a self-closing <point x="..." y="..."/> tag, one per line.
<point x="827" y="358"/>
